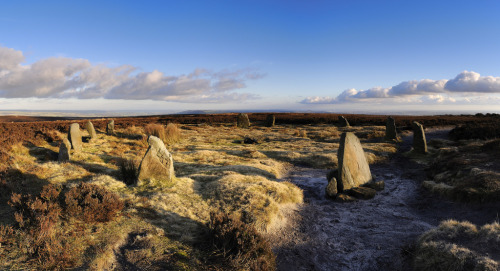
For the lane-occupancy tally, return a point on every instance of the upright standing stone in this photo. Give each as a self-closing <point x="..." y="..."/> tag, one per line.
<point x="157" y="162"/>
<point x="390" y="129"/>
<point x="90" y="128"/>
<point x="110" y="128"/>
<point x="270" y="120"/>
<point x="419" y="142"/>
<point x="75" y="137"/>
<point x="243" y="121"/>
<point x="343" y="122"/>
<point x="353" y="166"/>
<point x="64" y="148"/>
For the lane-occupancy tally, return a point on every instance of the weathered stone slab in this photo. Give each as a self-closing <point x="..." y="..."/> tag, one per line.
<point x="110" y="128"/>
<point x="157" y="162"/>
<point x="331" y="189"/>
<point x="243" y="121"/>
<point x="75" y="137"/>
<point x="270" y="120"/>
<point x="90" y="128"/>
<point x="390" y="129"/>
<point x="419" y="141"/>
<point x="362" y="192"/>
<point x="343" y="122"/>
<point x="64" y="151"/>
<point x="353" y="168"/>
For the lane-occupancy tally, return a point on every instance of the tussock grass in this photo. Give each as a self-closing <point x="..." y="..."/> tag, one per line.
<point x="459" y="246"/>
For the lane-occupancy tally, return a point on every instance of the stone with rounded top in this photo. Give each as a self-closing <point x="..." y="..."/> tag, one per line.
<point x="64" y="151"/>
<point x="90" y="129"/>
<point x="243" y="121"/>
<point x="353" y="168"/>
<point x="270" y="120"/>
<point x="110" y="128"/>
<point x="157" y="162"/>
<point x="419" y="141"/>
<point x="390" y="129"/>
<point x="75" y="137"/>
<point x="343" y="122"/>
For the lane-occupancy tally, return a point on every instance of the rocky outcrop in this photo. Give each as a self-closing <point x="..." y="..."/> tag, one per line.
<point x="419" y="141"/>
<point x="243" y="121"/>
<point x="75" y="137"/>
<point x="157" y="162"/>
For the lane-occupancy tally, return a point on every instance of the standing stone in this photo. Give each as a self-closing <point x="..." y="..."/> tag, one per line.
<point x="343" y="122"/>
<point x="64" y="148"/>
<point x="390" y="129"/>
<point x="243" y="121"/>
<point x="110" y="128"/>
<point x="270" y="120"/>
<point x="75" y="137"/>
<point x="90" y="128"/>
<point x="419" y="142"/>
<point x="331" y="189"/>
<point x="353" y="166"/>
<point x="157" y="162"/>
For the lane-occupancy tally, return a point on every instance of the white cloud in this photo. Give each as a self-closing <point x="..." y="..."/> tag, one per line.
<point x="60" y="77"/>
<point x="438" y="91"/>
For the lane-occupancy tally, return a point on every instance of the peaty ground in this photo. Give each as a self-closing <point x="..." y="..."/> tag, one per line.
<point x="375" y="234"/>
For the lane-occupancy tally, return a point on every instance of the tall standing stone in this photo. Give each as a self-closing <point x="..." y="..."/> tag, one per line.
<point x="343" y="122"/>
<point x="64" y="148"/>
<point x="75" y="137"/>
<point x="390" y="129"/>
<point x="353" y="166"/>
<point x="157" y="162"/>
<point x="419" y="141"/>
<point x="243" y="121"/>
<point x="90" y="128"/>
<point x="270" y="120"/>
<point x="110" y="128"/>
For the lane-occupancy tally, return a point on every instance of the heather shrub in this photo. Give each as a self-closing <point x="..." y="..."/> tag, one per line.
<point x="239" y="243"/>
<point x="157" y="130"/>
<point x="129" y="171"/>
<point x="92" y="203"/>
<point x="172" y="134"/>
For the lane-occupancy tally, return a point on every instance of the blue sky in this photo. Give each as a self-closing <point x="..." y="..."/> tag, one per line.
<point x="297" y="55"/>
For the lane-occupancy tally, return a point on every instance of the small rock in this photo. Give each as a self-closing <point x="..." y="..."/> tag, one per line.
<point x="378" y="185"/>
<point x="344" y="198"/>
<point x="331" y="188"/>
<point x="362" y="192"/>
<point x="250" y="140"/>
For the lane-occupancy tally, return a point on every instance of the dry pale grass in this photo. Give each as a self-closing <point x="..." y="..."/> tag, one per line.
<point x="459" y="246"/>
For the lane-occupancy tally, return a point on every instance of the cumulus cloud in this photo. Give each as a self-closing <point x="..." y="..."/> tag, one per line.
<point x="60" y="77"/>
<point x="439" y="91"/>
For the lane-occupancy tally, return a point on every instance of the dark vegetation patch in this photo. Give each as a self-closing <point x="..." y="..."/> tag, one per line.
<point x="483" y="131"/>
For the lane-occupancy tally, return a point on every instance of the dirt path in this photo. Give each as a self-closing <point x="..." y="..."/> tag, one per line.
<point x="369" y="234"/>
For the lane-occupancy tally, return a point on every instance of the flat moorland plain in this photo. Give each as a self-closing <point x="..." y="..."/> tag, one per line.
<point x="157" y="225"/>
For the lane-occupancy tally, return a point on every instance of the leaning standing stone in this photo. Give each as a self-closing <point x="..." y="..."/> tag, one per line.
<point x="75" y="137"/>
<point x="343" y="122"/>
<point x="110" y="128"/>
<point x="243" y="121"/>
<point x="353" y="166"/>
<point x="419" y="142"/>
<point x="390" y="129"/>
<point x="64" y="148"/>
<point x="157" y="162"/>
<point x="270" y="120"/>
<point x="90" y="128"/>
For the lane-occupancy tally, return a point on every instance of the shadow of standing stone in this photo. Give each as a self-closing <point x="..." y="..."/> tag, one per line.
<point x="75" y="137"/>
<point x="243" y="121"/>
<point x="419" y="141"/>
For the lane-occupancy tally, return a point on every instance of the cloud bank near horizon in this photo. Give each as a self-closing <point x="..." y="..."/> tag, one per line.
<point x="63" y="77"/>
<point x="466" y="83"/>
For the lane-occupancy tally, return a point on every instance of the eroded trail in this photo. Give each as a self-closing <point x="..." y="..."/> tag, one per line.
<point x="369" y="234"/>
